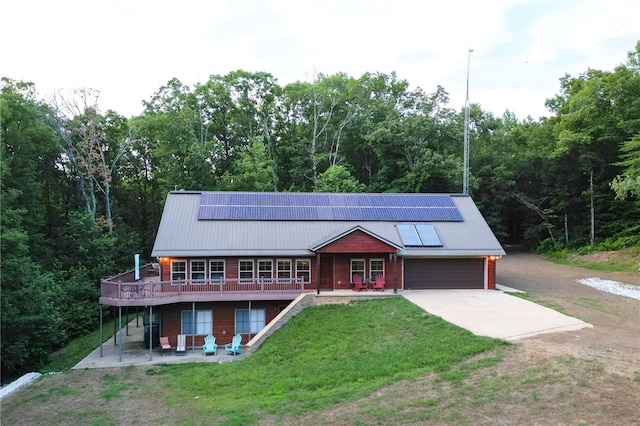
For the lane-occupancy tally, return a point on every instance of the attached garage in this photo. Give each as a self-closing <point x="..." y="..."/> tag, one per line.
<point x="421" y="274"/>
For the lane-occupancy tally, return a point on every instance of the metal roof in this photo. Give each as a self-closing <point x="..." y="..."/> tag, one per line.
<point x="182" y="234"/>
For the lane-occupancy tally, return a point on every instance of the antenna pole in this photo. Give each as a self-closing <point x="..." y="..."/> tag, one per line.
<point x="465" y="177"/>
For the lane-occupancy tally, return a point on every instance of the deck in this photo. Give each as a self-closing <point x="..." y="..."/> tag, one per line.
<point x="150" y="291"/>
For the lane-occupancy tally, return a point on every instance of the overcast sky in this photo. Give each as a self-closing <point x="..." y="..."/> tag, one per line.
<point x="128" y="49"/>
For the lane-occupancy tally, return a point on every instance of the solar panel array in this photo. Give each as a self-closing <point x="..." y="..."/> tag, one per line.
<point x="316" y="206"/>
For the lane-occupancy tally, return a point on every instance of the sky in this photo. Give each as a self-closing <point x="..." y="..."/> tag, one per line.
<point x="128" y="49"/>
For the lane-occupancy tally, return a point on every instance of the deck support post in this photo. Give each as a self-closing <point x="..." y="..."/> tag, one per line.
<point x="100" y="330"/>
<point x="120" y="328"/>
<point x="151" y="333"/>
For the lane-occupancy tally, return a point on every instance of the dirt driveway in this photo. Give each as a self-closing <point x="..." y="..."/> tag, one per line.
<point x="615" y="337"/>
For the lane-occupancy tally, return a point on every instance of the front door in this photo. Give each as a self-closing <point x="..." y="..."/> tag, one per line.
<point x="326" y="273"/>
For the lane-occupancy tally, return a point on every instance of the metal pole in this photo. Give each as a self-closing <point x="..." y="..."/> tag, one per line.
<point x="120" y="327"/>
<point x="465" y="177"/>
<point x="151" y="333"/>
<point x="115" y="329"/>
<point x="193" y="323"/>
<point x="100" y="331"/>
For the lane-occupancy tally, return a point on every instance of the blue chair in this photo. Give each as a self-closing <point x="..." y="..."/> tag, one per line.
<point x="234" y="347"/>
<point x="209" y="345"/>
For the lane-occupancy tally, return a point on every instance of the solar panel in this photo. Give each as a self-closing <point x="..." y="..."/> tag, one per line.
<point x="428" y="235"/>
<point x="312" y="206"/>
<point x="418" y="235"/>
<point x="409" y="235"/>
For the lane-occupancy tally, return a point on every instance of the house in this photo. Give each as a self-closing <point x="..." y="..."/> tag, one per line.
<point x="229" y="262"/>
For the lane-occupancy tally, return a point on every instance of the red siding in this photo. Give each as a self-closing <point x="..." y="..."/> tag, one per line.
<point x="357" y="242"/>
<point x="491" y="273"/>
<point x="223" y="319"/>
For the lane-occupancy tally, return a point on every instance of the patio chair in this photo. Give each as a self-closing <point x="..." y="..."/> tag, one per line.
<point x="209" y="345"/>
<point x="358" y="284"/>
<point x="181" y="346"/>
<point x="234" y="347"/>
<point x="379" y="282"/>
<point x="165" y="346"/>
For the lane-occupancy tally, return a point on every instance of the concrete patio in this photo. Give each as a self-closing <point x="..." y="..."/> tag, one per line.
<point x="134" y="352"/>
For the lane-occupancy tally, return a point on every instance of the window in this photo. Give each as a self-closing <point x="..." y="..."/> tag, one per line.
<point x="245" y="268"/>
<point x="178" y="270"/>
<point x="376" y="266"/>
<point x="303" y="270"/>
<point x="198" y="271"/>
<point x="250" y="321"/>
<point x="265" y="268"/>
<point x="284" y="268"/>
<point x="197" y="322"/>
<point x="357" y="267"/>
<point x="216" y="269"/>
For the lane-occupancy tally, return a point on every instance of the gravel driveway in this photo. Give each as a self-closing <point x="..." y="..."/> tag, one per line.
<point x="615" y="336"/>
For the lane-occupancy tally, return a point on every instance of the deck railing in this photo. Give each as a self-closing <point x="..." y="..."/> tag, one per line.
<point x="157" y="289"/>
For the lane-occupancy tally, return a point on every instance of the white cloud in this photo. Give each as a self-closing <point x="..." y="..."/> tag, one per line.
<point x="128" y="50"/>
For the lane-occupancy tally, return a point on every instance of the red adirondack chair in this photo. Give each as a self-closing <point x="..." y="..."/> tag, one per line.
<point x="379" y="283"/>
<point x="358" y="284"/>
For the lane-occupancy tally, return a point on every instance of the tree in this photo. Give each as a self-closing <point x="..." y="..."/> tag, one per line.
<point x="87" y="147"/>
<point x="337" y="179"/>
<point x="30" y="322"/>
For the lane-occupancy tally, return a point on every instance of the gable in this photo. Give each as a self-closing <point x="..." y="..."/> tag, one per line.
<point x="355" y="241"/>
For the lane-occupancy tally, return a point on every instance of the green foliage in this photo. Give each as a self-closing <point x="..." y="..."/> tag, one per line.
<point x="337" y="179"/>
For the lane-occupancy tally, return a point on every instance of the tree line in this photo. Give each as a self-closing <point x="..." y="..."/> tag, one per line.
<point x="82" y="190"/>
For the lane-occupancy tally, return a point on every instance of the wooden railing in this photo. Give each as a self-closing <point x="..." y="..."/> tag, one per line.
<point x="158" y="289"/>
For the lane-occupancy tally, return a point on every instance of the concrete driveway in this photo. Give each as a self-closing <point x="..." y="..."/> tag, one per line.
<point x="493" y="313"/>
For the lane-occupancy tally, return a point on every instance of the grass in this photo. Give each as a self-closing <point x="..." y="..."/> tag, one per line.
<point x="382" y="361"/>
<point x="536" y="299"/>
<point x="325" y="355"/>
<point x="77" y="349"/>
<point x="620" y="260"/>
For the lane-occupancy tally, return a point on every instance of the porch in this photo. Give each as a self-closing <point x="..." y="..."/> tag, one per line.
<point x="133" y="351"/>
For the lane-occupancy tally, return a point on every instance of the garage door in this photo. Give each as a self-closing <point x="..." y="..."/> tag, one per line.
<point x="443" y="273"/>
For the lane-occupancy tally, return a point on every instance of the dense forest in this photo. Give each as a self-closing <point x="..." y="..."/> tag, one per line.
<point x="82" y="190"/>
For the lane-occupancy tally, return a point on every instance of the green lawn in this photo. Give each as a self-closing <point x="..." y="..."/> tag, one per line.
<point x="325" y="355"/>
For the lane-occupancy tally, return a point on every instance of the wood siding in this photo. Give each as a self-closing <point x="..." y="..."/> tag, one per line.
<point x="491" y="273"/>
<point x="357" y="242"/>
<point x="223" y="319"/>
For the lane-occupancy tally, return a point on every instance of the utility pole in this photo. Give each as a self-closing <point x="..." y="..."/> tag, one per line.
<point x="465" y="176"/>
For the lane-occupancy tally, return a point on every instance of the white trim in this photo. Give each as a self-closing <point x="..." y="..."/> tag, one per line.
<point x="253" y="269"/>
<point x="305" y="259"/>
